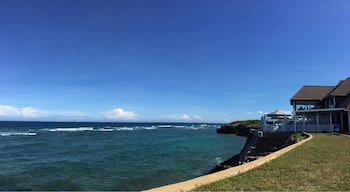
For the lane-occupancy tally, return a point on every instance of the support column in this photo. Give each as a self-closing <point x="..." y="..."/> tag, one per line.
<point x="330" y="122"/>
<point x="318" y="122"/>
<point x="295" y="117"/>
<point x="264" y="122"/>
<point x="304" y="122"/>
<point x="294" y="106"/>
<point x="341" y="121"/>
<point x="349" y="120"/>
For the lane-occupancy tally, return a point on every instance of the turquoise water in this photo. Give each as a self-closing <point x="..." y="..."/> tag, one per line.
<point x="108" y="156"/>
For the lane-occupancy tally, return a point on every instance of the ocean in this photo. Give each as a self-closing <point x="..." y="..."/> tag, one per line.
<point x="108" y="156"/>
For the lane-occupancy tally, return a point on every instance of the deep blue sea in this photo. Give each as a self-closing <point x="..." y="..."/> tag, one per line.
<point x="108" y="156"/>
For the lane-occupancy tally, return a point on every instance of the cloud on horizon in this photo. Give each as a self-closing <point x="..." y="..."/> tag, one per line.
<point x="7" y="111"/>
<point x="10" y="111"/>
<point x="120" y="114"/>
<point x="185" y="117"/>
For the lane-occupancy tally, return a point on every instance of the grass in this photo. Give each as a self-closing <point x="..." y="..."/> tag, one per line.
<point x="322" y="163"/>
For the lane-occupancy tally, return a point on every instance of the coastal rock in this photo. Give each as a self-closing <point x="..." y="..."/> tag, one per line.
<point x="237" y="130"/>
<point x="240" y="128"/>
<point x="231" y="162"/>
<point x="256" y="147"/>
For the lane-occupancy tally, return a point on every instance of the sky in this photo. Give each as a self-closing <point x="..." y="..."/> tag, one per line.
<point x="166" y="60"/>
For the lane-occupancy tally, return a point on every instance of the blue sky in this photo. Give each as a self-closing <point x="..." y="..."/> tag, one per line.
<point x="166" y="60"/>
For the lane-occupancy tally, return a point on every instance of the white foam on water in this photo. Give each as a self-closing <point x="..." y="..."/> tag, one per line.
<point x="219" y="160"/>
<point x="4" y="134"/>
<point x="194" y="128"/>
<point x="165" y="126"/>
<point x="105" y="129"/>
<point x="71" y="129"/>
<point x="179" y="126"/>
<point x="150" y="128"/>
<point x="125" y="129"/>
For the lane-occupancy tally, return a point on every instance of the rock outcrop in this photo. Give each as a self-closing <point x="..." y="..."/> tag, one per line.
<point x="240" y="128"/>
<point x="258" y="146"/>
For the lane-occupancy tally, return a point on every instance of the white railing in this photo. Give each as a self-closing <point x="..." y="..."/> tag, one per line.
<point x="299" y="128"/>
<point x="315" y="128"/>
<point x="289" y="128"/>
<point x="272" y="128"/>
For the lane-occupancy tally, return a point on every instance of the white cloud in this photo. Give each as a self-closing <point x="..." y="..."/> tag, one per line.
<point x="250" y="113"/>
<point x="120" y="114"/>
<point x="31" y="112"/>
<point x="10" y="111"/>
<point x="197" y="117"/>
<point x="185" y="117"/>
<point x="261" y="112"/>
<point x="7" y="111"/>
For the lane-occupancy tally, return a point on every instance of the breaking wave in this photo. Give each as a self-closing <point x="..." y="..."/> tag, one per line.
<point x="72" y="129"/>
<point x="165" y="126"/>
<point x="33" y="132"/>
<point x="125" y="129"/>
<point x="105" y="129"/>
<point x="4" y="134"/>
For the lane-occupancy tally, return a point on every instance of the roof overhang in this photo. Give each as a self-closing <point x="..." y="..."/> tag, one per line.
<point x="320" y="110"/>
<point x="305" y="102"/>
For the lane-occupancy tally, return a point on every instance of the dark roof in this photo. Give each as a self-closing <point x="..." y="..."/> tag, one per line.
<point x="342" y="89"/>
<point x="312" y="93"/>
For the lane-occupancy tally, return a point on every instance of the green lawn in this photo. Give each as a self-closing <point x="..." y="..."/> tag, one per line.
<point x="322" y="163"/>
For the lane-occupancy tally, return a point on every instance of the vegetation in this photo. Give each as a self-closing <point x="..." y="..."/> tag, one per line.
<point x="241" y="128"/>
<point x="246" y="123"/>
<point x="296" y="137"/>
<point x="322" y="163"/>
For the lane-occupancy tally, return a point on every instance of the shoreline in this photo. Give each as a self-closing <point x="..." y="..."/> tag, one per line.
<point x="229" y="172"/>
<point x="257" y="145"/>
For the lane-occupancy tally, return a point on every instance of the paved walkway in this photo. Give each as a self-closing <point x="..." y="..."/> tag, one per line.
<point x="203" y="180"/>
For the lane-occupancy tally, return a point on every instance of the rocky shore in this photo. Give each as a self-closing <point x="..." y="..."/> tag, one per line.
<point x="257" y="145"/>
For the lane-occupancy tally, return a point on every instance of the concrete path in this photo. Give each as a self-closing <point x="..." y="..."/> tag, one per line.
<point x="203" y="180"/>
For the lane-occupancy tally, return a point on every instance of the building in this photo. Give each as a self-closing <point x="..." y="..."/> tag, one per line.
<point x="318" y="109"/>
<point x="276" y="121"/>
